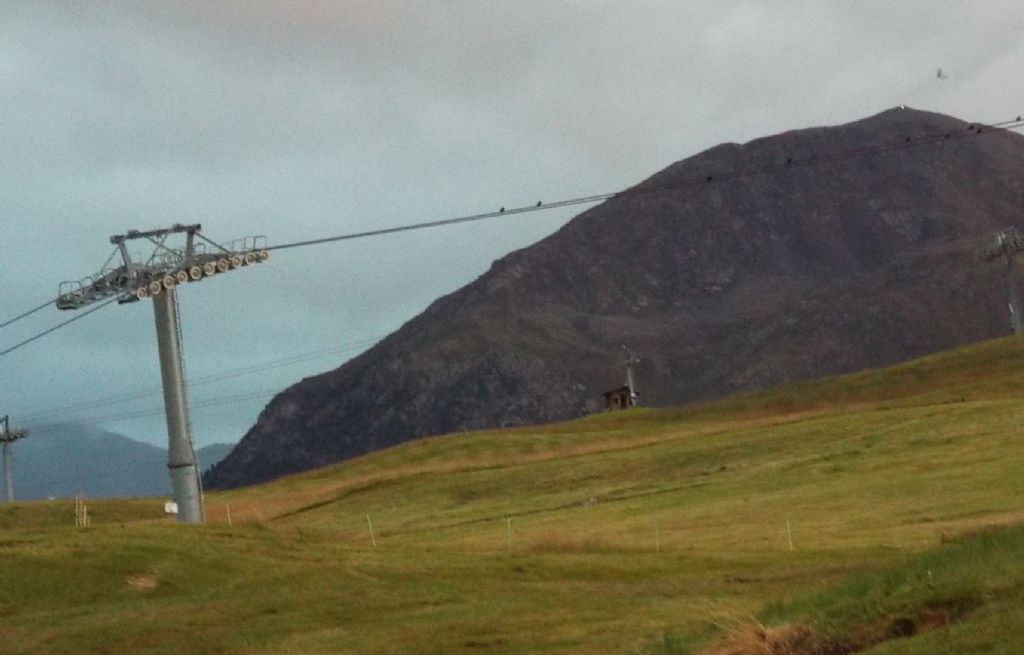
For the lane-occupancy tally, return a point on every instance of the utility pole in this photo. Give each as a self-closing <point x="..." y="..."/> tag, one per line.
<point x="181" y="457"/>
<point x="631" y="361"/>
<point x="156" y="278"/>
<point x="1007" y="244"/>
<point x="7" y="437"/>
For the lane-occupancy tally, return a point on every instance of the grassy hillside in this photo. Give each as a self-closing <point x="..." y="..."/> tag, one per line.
<point x="845" y="514"/>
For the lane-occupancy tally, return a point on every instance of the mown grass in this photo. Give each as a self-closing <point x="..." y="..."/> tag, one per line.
<point x="645" y="531"/>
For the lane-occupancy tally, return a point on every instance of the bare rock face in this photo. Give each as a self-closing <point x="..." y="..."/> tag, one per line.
<point x="734" y="284"/>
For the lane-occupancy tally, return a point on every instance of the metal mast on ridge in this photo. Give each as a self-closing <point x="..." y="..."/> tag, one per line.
<point x="1007" y="244"/>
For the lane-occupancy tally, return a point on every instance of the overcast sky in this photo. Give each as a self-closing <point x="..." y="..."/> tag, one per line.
<point x="304" y="119"/>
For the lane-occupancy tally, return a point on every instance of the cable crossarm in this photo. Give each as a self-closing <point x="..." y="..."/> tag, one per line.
<point x="972" y="129"/>
<point x="167" y="266"/>
<point x="214" y="244"/>
<point x="131" y="280"/>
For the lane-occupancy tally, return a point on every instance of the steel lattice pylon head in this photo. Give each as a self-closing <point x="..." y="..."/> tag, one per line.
<point x="7" y="434"/>
<point x="1007" y="243"/>
<point x="131" y="278"/>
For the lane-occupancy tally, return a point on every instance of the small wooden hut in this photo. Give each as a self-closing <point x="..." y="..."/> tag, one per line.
<point x="620" y="398"/>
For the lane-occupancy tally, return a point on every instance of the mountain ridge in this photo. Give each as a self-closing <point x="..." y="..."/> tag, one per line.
<point x="741" y="284"/>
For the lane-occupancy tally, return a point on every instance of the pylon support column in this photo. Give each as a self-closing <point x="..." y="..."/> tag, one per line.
<point x="181" y="459"/>
<point x="1016" y="320"/>
<point x="9" y="436"/>
<point x="634" y="395"/>
<point x="8" y="474"/>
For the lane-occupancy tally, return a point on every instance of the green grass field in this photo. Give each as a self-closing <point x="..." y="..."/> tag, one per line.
<point x="878" y="512"/>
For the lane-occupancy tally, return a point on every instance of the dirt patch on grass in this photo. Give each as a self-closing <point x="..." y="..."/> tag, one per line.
<point x="800" y="639"/>
<point x="141" y="582"/>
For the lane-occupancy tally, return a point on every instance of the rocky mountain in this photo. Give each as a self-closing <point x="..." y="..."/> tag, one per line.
<point x="60" y="462"/>
<point x="741" y="282"/>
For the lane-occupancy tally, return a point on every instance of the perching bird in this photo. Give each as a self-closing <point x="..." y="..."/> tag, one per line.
<point x="501" y="211"/>
<point x="538" y="203"/>
<point x="939" y="74"/>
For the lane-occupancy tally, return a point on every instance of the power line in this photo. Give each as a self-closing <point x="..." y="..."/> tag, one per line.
<point x="48" y="302"/>
<point x="93" y="420"/>
<point x="56" y="327"/>
<point x="55" y="425"/>
<point x="905" y="142"/>
<point x="205" y="379"/>
<point x="450" y="221"/>
<point x="27" y="314"/>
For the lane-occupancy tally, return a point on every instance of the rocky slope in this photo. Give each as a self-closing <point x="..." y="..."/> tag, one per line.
<point x="734" y="284"/>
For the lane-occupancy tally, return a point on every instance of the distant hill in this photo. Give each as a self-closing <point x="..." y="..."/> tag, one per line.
<point x="101" y="464"/>
<point x="743" y="283"/>
<point x="208" y="455"/>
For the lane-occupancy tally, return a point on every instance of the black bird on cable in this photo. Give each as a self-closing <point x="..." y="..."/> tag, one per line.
<point x="538" y="204"/>
<point x="501" y="211"/>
